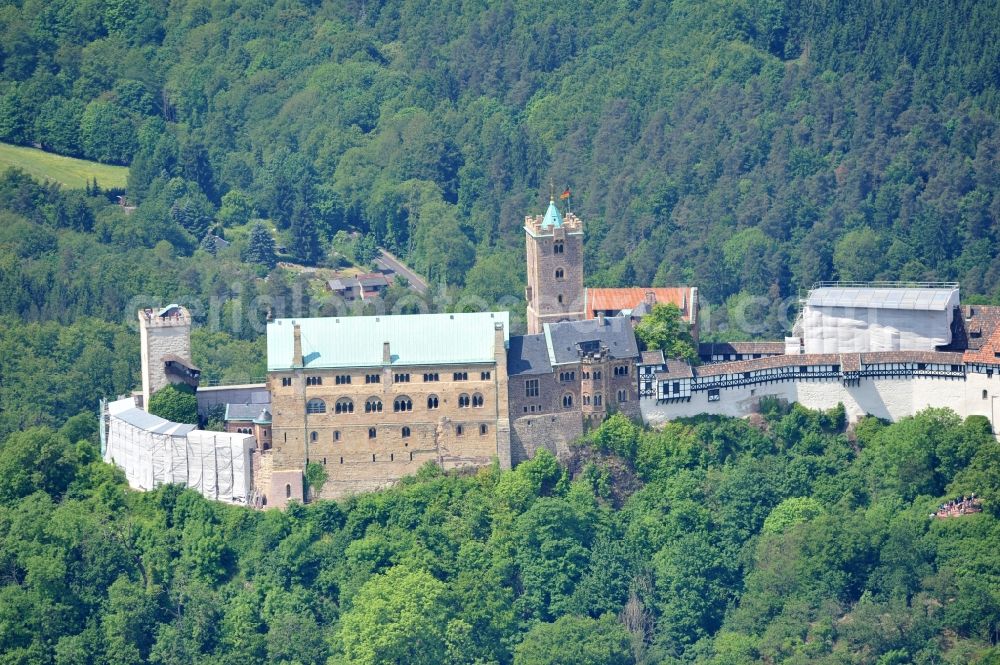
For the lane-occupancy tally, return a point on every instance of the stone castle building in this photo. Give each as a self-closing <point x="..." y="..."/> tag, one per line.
<point x="566" y="378"/>
<point x="373" y="398"/>
<point x="554" y="246"/>
<point x="165" y="346"/>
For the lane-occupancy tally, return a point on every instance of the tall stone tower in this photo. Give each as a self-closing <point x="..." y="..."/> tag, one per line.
<point x="165" y="338"/>
<point x="555" y="268"/>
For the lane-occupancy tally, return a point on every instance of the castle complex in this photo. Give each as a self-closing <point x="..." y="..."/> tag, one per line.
<point x="371" y="399"/>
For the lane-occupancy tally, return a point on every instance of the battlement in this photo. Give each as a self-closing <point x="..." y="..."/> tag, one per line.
<point x="171" y="315"/>
<point x="536" y="226"/>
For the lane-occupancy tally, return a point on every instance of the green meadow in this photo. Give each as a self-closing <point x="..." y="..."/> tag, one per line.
<point x="68" y="171"/>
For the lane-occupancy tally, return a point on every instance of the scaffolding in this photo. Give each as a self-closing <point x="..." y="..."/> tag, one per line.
<point x="153" y="452"/>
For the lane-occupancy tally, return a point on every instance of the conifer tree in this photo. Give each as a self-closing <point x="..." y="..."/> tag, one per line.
<point x="305" y="237"/>
<point x="261" y="247"/>
<point x="208" y="244"/>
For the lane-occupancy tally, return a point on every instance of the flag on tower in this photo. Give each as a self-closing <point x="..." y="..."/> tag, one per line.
<point x="564" y="195"/>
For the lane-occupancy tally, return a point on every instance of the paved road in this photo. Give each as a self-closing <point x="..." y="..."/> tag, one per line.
<point x="390" y="262"/>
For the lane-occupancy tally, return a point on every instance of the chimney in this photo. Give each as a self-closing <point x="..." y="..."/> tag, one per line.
<point x="297" y="348"/>
<point x="650" y="298"/>
<point x="386" y="355"/>
<point x="600" y="319"/>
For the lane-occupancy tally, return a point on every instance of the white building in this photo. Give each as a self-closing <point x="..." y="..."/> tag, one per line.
<point x="153" y="452"/>
<point x="882" y="317"/>
<point x="888" y="351"/>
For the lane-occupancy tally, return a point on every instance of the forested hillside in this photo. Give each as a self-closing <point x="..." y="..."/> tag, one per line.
<point x="715" y="542"/>
<point x="746" y="147"/>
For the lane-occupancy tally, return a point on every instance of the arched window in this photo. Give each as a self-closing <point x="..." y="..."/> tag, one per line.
<point x="406" y="432"/>
<point x="598" y="400"/>
<point x="559" y="298"/>
<point x="560" y="273"/>
<point x="463" y="401"/>
<point x="344" y="405"/>
<point x="372" y="433"/>
<point x="336" y="436"/>
<point x="373" y="405"/>
<point x="459" y="430"/>
<point x="483" y="429"/>
<point x="313" y="436"/>
<point x="288" y="491"/>
<point x="402" y="403"/>
<point x="558" y="247"/>
<point x="477" y="401"/>
<point x="622" y="396"/>
<point x="315" y="406"/>
<point x="567" y="401"/>
<point x="432" y="402"/>
<point x="586" y="400"/>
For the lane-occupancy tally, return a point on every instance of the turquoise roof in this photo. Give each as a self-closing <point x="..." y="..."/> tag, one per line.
<point x="414" y="339"/>
<point x="553" y="217"/>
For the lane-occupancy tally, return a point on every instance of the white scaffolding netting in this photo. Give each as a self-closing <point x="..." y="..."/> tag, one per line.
<point x="857" y="320"/>
<point x="153" y="451"/>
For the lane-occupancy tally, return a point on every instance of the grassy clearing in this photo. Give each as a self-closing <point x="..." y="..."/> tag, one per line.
<point x="70" y="172"/>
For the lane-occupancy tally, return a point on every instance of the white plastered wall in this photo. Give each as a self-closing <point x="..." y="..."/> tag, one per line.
<point x="887" y="398"/>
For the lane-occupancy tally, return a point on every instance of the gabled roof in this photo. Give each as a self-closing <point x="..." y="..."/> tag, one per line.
<point x="676" y="369"/>
<point x="127" y="411"/>
<point x="246" y="412"/>
<point x="654" y="357"/>
<point x="617" y="300"/>
<point x="528" y="355"/>
<point x="414" y="339"/>
<point x="891" y="297"/>
<point x="372" y="279"/>
<point x="337" y="285"/>
<point x="564" y="339"/>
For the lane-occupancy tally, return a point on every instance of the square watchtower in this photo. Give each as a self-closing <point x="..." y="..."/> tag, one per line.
<point x="555" y="268"/>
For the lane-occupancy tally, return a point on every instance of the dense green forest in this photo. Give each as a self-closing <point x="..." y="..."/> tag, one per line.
<point x="715" y="541"/>
<point x="748" y="147"/>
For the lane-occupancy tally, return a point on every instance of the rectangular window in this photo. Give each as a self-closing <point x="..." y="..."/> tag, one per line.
<point x="343" y="379"/>
<point x="373" y="378"/>
<point x="401" y="378"/>
<point x="460" y="376"/>
<point x="431" y="376"/>
<point x="531" y="388"/>
<point x="676" y="387"/>
<point x="314" y="380"/>
<point x="286" y="381"/>
<point x="713" y="395"/>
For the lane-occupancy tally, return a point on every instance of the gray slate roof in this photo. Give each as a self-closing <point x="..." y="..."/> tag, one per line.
<point x="616" y="333"/>
<point x="528" y="354"/>
<point x="245" y="411"/>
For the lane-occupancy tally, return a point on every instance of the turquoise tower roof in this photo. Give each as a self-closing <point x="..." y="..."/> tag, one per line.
<point x="553" y="217"/>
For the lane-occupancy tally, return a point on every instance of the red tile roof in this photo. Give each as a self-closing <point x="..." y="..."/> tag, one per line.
<point x="599" y="300"/>
<point x="977" y="329"/>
